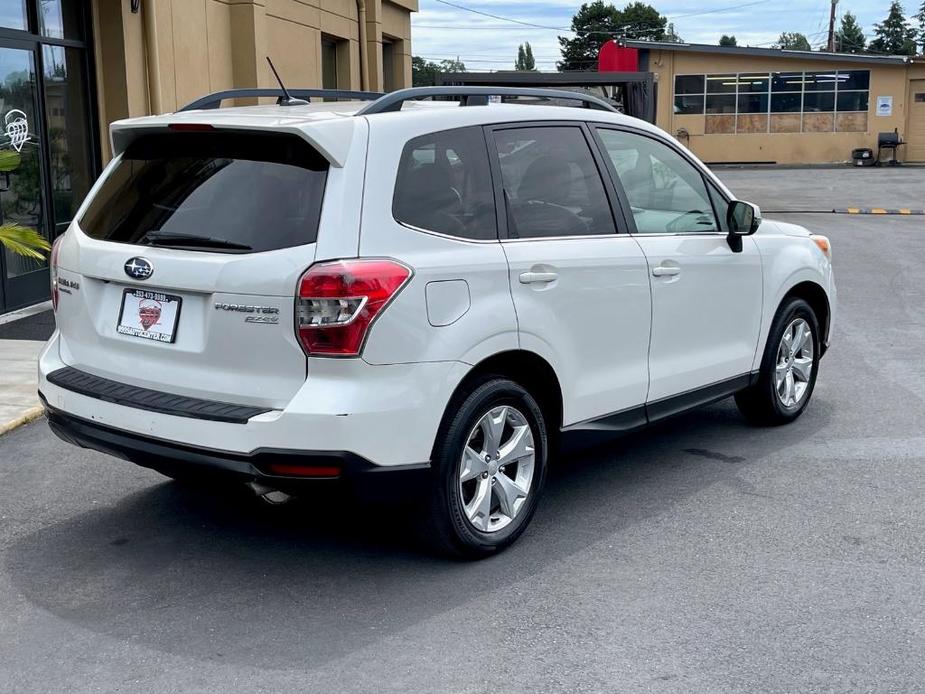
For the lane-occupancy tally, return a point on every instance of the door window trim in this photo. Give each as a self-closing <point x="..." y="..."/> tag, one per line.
<point x="596" y="127"/>
<point x="613" y="202"/>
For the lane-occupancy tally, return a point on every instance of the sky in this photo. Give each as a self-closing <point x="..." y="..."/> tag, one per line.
<point x="440" y="31"/>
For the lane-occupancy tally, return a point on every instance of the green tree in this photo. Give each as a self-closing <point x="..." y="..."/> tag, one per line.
<point x="894" y="35"/>
<point x="451" y="66"/>
<point x="424" y="72"/>
<point x="643" y="22"/>
<point x="793" y="41"/>
<point x="850" y="36"/>
<point x="525" y="61"/>
<point x="597" y="22"/>
<point x="920" y="18"/>
<point x="593" y="24"/>
<point x="728" y="41"/>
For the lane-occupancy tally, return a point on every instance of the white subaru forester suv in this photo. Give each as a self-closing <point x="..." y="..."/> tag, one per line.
<point x="429" y="293"/>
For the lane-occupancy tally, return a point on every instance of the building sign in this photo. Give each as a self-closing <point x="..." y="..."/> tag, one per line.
<point x="884" y="105"/>
<point x="17" y="128"/>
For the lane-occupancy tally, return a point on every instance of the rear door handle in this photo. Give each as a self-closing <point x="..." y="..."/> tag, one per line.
<point x="538" y="277"/>
<point x="666" y="270"/>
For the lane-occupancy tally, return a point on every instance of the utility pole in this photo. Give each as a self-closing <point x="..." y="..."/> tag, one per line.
<point x="832" y="26"/>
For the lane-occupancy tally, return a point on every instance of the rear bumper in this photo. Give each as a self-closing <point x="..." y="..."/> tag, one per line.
<point x="261" y="465"/>
<point x="387" y="415"/>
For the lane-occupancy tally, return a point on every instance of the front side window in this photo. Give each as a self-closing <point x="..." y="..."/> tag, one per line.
<point x="551" y="184"/>
<point x="444" y="185"/>
<point x="666" y="192"/>
<point x="211" y="191"/>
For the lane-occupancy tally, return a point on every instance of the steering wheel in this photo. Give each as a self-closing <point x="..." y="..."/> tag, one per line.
<point x="682" y="223"/>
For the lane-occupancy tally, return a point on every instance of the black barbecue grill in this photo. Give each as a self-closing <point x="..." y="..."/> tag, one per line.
<point x="890" y="142"/>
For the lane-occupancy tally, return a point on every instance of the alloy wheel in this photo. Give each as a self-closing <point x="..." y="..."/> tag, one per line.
<point x="496" y="469"/>
<point x="794" y="368"/>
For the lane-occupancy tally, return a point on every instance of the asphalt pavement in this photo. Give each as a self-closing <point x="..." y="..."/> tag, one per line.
<point x="701" y="555"/>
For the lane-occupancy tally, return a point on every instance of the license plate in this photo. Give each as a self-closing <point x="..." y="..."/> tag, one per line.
<point x="151" y="315"/>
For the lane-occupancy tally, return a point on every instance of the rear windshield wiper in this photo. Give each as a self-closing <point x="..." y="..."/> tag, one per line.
<point x="167" y="238"/>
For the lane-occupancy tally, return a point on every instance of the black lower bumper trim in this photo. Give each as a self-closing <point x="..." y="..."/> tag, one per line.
<point x="171" y="458"/>
<point x="106" y="389"/>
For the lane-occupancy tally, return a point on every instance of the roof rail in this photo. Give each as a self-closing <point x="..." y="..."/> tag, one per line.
<point x="478" y="96"/>
<point x="215" y="100"/>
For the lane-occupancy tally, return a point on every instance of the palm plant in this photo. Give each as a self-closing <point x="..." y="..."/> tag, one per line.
<point x="23" y="241"/>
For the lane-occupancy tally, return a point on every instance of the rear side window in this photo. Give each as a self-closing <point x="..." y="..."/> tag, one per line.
<point x="212" y="191"/>
<point x="444" y="185"/>
<point x="552" y="187"/>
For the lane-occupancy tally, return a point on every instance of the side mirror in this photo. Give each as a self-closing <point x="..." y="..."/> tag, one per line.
<point x="743" y="219"/>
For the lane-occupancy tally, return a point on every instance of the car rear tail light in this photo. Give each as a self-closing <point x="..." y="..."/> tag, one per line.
<point x="337" y="303"/>
<point x="292" y="470"/>
<point x="190" y="127"/>
<point x="53" y="266"/>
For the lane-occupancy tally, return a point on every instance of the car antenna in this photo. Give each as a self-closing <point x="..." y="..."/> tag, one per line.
<point x="286" y="99"/>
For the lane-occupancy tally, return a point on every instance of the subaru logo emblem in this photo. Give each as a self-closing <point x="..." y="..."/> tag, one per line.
<point x="138" y="268"/>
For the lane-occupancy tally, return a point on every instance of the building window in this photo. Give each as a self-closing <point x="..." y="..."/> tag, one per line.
<point x="328" y="63"/>
<point x="13" y="14"/>
<point x="388" y="66"/>
<point x="777" y="102"/>
<point x="60" y="19"/>
<point x="393" y="63"/>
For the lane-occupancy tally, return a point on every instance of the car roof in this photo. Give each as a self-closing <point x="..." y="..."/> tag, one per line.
<point x="329" y="126"/>
<point x="412" y="112"/>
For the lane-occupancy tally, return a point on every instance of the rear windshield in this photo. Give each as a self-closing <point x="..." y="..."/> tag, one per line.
<point x="226" y="192"/>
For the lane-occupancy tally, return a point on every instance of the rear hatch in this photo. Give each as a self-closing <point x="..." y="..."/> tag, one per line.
<point x="181" y="273"/>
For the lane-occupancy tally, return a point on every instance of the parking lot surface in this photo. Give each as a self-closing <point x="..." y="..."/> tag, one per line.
<point x="700" y="555"/>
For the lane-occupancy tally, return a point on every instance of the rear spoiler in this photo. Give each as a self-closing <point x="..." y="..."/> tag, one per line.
<point x="331" y="138"/>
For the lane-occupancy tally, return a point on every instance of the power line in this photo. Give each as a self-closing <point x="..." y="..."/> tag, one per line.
<point x="497" y="16"/>
<point x="720" y="9"/>
<point x="549" y="28"/>
<point x="469" y="27"/>
<point x="480" y="27"/>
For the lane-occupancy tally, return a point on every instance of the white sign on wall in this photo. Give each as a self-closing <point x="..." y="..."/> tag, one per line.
<point x="884" y="105"/>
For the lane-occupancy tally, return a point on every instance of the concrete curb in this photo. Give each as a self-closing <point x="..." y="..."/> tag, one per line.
<point x="29" y="415"/>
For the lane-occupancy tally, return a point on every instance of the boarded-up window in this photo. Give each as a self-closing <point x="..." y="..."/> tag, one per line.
<point x="786" y="122"/>
<point x="851" y="122"/>
<point x="818" y="122"/>
<point x="778" y="102"/>
<point x="752" y="123"/>
<point x="720" y="125"/>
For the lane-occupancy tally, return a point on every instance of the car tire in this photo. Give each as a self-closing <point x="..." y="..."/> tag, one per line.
<point x="788" y="372"/>
<point x="473" y="512"/>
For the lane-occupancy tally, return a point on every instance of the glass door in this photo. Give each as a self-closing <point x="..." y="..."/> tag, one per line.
<point x="48" y="152"/>
<point x="22" y="198"/>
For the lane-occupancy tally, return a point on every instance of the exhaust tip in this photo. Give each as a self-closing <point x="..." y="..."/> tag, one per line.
<point x="274" y="497"/>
